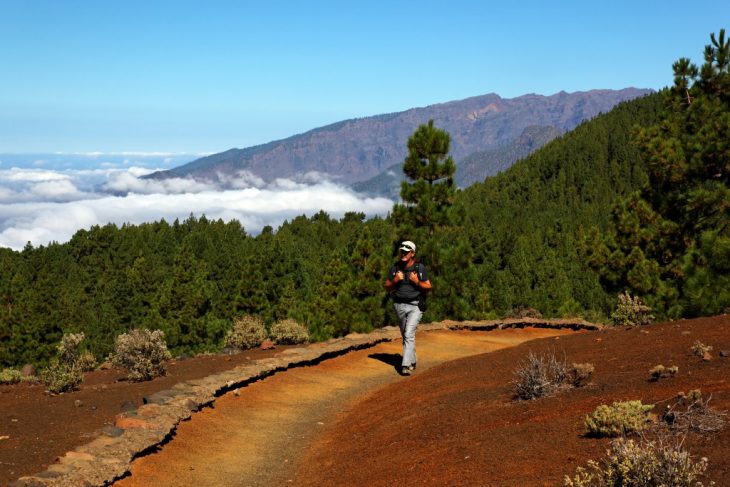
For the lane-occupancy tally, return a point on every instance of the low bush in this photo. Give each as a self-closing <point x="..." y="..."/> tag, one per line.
<point x="539" y="375"/>
<point x="631" y="311"/>
<point x="86" y="362"/>
<point x="247" y="332"/>
<point x="69" y="348"/>
<point x="10" y="376"/>
<point x="60" y="377"/>
<point x="691" y="413"/>
<point x="580" y="375"/>
<point x="142" y="353"/>
<point x="571" y="309"/>
<point x="661" y="372"/>
<point x="646" y="463"/>
<point x="621" y="418"/>
<point x="523" y="312"/>
<point x="289" y="332"/>
<point x="700" y="349"/>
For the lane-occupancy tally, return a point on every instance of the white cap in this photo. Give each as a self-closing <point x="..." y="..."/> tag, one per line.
<point x="408" y="246"/>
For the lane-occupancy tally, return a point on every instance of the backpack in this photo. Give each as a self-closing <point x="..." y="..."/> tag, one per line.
<point x="422" y="303"/>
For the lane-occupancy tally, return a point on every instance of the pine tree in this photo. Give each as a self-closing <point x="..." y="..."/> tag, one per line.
<point x="428" y="217"/>
<point x="671" y="241"/>
<point x="429" y="191"/>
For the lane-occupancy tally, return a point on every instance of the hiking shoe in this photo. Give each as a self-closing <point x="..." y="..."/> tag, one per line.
<point x="405" y="370"/>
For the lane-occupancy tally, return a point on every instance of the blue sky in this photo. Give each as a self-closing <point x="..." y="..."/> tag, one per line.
<point x="200" y="77"/>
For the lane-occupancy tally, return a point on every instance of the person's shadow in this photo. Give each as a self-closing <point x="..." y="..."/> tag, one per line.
<point x="392" y="359"/>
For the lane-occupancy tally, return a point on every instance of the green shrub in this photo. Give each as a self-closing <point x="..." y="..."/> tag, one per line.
<point x="86" y="362"/>
<point x="68" y="349"/>
<point x="571" y="309"/>
<point x="621" y="418"/>
<point x="645" y="464"/>
<point x="539" y="376"/>
<point x="10" y="376"/>
<point x="523" y="312"/>
<point x="60" y="377"/>
<point x="142" y="353"/>
<point x="661" y="372"/>
<point x="580" y="374"/>
<point x="700" y="349"/>
<point x="631" y="311"/>
<point x="247" y="332"/>
<point x="289" y="332"/>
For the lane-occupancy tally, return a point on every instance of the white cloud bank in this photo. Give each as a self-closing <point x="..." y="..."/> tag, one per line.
<point x="41" y="206"/>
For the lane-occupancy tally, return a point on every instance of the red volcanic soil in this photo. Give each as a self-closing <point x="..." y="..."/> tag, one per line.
<point x="40" y="427"/>
<point x="458" y="423"/>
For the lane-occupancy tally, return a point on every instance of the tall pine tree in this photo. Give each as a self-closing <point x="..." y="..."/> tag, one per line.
<point x="428" y="217"/>
<point x="671" y="241"/>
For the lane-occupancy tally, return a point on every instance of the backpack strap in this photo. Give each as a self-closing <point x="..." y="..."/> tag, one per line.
<point x="419" y="270"/>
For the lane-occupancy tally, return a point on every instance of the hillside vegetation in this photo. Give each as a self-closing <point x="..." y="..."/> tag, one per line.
<point x="554" y="233"/>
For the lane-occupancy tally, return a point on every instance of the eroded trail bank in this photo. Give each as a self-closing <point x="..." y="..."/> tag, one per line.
<point x="258" y="434"/>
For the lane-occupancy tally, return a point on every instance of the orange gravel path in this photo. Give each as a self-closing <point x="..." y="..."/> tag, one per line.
<point x="255" y="436"/>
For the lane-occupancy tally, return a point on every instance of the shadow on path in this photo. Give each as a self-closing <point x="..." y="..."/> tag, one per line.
<point x="392" y="359"/>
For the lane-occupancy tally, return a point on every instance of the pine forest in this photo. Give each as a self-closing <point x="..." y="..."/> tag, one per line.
<point x="635" y="200"/>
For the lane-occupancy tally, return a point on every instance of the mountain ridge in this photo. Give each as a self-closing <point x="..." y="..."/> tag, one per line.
<point x="358" y="149"/>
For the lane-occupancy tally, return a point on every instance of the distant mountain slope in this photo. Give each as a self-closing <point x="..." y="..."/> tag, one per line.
<point x="472" y="169"/>
<point x="480" y="165"/>
<point x="359" y="149"/>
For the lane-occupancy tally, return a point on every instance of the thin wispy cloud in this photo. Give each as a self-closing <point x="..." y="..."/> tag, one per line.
<point x="41" y="206"/>
<point x="20" y="175"/>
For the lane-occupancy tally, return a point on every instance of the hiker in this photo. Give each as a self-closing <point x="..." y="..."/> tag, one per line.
<point x="408" y="284"/>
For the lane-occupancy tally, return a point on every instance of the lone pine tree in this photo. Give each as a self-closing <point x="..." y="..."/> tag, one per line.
<point x="429" y="191"/>
<point x="428" y="217"/>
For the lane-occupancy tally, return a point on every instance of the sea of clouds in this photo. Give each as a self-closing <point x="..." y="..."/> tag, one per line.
<point x="48" y="199"/>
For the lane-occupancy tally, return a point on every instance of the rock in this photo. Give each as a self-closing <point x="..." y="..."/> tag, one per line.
<point x="127" y="423"/>
<point x="128" y="406"/>
<point x="149" y="410"/>
<point x="156" y="398"/>
<point x="28" y="370"/>
<point x="112" y="431"/>
<point x="191" y="405"/>
<point x="267" y="345"/>
<point x="105" y="365"/>
<point x="48" y="474"/>
<point x="4" y="437"/>
<point x="161" y="397"/>
<point x="78" y="403"/>
<point x="75" y="456"/>
<point x="36" y="480"/>
<point x="725" y="353"/>
<point x="706" y="357"/>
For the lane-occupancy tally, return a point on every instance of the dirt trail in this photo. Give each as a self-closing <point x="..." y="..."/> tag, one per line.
<point x="256" y="436"/>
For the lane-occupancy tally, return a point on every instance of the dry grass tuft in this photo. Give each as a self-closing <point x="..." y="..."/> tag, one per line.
<point x="693" y="414"/>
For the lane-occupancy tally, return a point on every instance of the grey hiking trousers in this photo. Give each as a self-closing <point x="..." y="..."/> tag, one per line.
<point x="408" y="318"/>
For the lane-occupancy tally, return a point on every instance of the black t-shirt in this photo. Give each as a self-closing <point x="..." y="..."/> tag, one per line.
<point x="405" y="290"/>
